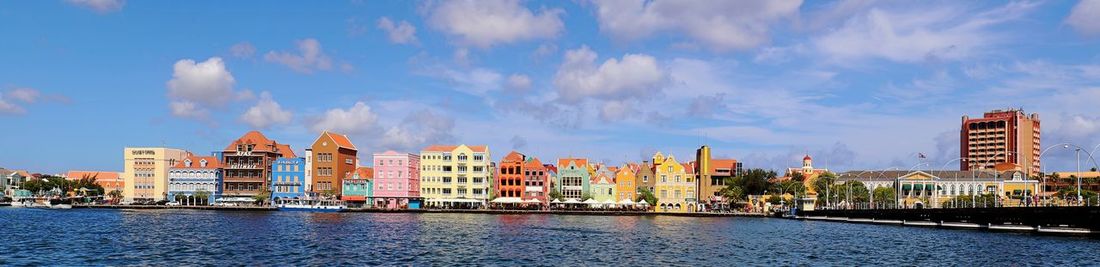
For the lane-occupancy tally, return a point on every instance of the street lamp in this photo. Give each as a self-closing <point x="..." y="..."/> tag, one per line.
<point x="960" y="159"/>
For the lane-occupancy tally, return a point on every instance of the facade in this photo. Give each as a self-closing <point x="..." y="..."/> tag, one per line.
<point x="145" y="172"/>
<point x="922" y="189"/>
<point x="625" y="183"/>
<point x="396" y="179"/>
<point x="809" y="175"/>
<point x="110" y="181"/>
<point x="574" y="177"/>
<point x="195" y="174"/>
<point x="510" y="176"/>
<point x="246" y="164"/>
<point x="455" y="176"/>
<point x="536" y="181"/>
<point x="334" y="159"/>
<point x="711" y="175"/>
<point x="288" y="178"/>
<point x="645" y="178"/>
<point x="359" y="187"/>
<point x="603" y="185"/>
<point x="675" y="185"/>
<point x="1001" y="136"/>
<point x="10" y="181"/>
<point x="1090" y="181"/>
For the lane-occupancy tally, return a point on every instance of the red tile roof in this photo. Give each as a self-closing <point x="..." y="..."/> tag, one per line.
<point x="96" y="175"/>
<point x="340" y="140"/>
<point x="211" y="162"/>
<point x="286" y="151"/>
<point x="581" y="163"/>
<point x="252" y="137"/>
<point x="722" y="163"/>
<point x="365" y="172"/>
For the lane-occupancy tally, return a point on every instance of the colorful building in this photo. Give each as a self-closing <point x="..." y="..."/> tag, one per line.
<point x="626" y="187"/>
<point x="536" y="182"/>
<point x="334" y="159"/>
<point x="930" y="189"/>
<point x="110" y="181"/>
<point x="246" y="165"/>
<point x="711" y="175"/>
<point x="145" y="172"/>
<point x="575" y="180"/>
<point x="358" y="188"/>
<point x="195" y="174"/>
<point x="396" y="179"/>
<point x="998" y="137"/>
<point x="288" y="178"/>
<point x="455" y="176"/>
<point x="603" y="185"/>
<point x="645" y="178"/>
<point x="510" y="176"/>
<point x="675" y="185"/>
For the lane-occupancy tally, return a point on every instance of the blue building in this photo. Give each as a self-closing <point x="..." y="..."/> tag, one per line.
<point x="195" y="180"/>
<point x="288" y="178"/>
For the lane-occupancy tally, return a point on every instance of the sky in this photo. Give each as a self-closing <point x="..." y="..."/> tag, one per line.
<point x="857" y="84"/>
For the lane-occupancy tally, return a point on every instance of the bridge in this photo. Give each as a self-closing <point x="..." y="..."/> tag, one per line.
<point x="1065" y="220"/>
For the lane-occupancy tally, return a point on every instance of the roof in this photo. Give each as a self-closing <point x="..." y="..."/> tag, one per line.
<point x="716" y="164"/>
<point x="602" y="176"/>
<point x="340" y="140"/>
<point x="807" y="157"/>
<point x="96" y="175"/>
<point x="513" y="157"/>
<point x="449" y="148"/>
<point x="1064" y="175"/>
<point x="564" y="162"/>
<point x="211" y="162"/>
<point x="874" y="175"/>
<point x="533" y="163"/>
<point x="285" y="150"/>
<point x="23" y="173"/>
<point x="252" y="137"/>
<point x="365" y="172"/>
<point x="689" y="167"/>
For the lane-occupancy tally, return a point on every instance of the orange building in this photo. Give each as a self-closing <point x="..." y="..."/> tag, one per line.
<point x="509" y="179"/>
<point x="334" y="159"/>
<point x="247" y="164"/>
<point x="1001" y="136"/>
<point x="110" y="181"/>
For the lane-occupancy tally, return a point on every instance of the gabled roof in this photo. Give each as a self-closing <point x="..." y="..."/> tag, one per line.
<point x="95" y="175"/>
<point x="564" y="163"/>
<point x="602" y="177"/>
<point x="513" y="157"/>
<point x="533" y="163"/>
<point x="365" y="173"/>
<point x="211" y="162"/>
<point x="689" y="167"/>
<point x="340" y="140"/>
<point x="449" y="148"/>
<point x="285" y="150"/>
<point x="252" y="137"/>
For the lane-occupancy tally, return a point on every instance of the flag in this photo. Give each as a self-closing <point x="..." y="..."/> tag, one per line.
<point x="921" y="155"/>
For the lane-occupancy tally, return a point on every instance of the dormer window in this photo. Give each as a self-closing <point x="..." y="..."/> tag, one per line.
<point x="187" y="163"/>
<point x="201" y="163"/>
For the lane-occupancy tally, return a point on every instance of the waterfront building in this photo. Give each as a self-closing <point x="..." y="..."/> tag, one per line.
<point x="808" y="173"/>
<point x="288" y="178"/>
<point x="334" y="159"/>
<point x="11" y="178"/>
<point x="625" y="183"/>
<point x="675" y="185"/>
<point x="455" y="176"/>
<point x="145" y="172"/>
<point x="644" y="177"/>
<point x="510" y="176"/>
<point x="999" y="137"/>
<point x="603" y="185"/>
<point x="359" y="187"/>
<point x="1090" y="181"/>
<point x="110" y="181"/>
<point x="396" y="179"/>
<point x="195" y="174"/>
<point x="246" y="165"/>
<point x="930" y="189"/>
<point x="711" y="175"/>
<point x="574" y="177"/>
<point x="536" y="182"/>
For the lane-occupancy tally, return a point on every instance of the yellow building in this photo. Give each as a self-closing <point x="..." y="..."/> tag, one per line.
<point x="145" y="172"/>
<point x="624" y="183"/>
<point x="675" y="186"/>
<point x="455" y="176"/>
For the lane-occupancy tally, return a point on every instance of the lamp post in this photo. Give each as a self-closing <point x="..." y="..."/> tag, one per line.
<point x="882" y="174"/>
<point x="960" y="159"/>
<point x="897" y="197"/>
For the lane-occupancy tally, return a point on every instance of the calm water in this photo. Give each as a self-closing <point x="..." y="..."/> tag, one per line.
<point x="162" y="237"/>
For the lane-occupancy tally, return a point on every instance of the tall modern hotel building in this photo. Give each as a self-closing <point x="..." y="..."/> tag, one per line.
<point x="1001" y="139"/>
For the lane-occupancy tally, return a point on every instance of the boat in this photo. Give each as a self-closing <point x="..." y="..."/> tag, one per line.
<point x="49" y="204"/>
<point x="312" y="205"/>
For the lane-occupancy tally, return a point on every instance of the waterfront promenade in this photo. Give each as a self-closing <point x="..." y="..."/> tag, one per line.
<point x="468" y="211"/>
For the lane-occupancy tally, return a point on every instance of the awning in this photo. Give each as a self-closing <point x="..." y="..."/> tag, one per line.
<point x="456" y="200"/>
<point x="906" y="187"/>
<point x="626" y="202"/>
<point x="930" y="187"/>
<point x="556" y="201"/>
<point x="353" y="198"/>
<point x="507" y="200"/>
<point x="572" y="201"/>
<point x="591" y="201"/>
<point x="532" y="201"/>
<point x="609" y="202"/>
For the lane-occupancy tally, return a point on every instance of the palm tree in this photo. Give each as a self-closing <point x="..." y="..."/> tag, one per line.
<point x="202" y="196"/>
<point x="115" y="195"/>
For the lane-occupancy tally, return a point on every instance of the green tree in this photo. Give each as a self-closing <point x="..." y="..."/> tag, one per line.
<point x="586" y="196"/>
<point x="554" y="194"/>
<point x="798" y="177"/>
<point x="753" y="181"/>
<point x="733" y="194"/>
<point x="645" y="195"/>
<point x="202" y="197"/>
<point x="884" y="196"/>
<point x="859" y="193"/>
<point x="822" y="181"/>
<point x="795" y="188"/>
<point x="775" y="199"/>
<point x="265" y="195"/>
<point x="115" y="195"/>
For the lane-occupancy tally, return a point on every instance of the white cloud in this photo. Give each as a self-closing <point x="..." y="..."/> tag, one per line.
<point x="398" y="33"/>
<point x="720" y="25"/>
<point x="310" y="59"/>
<point x="26" y="95"/>
<point x="417" y="130"/>
<point x="7" y="107"/>
<point x="1085" y="17"/>
<point x="242" y="50"/>
<point x="615" y="110"/>
<point x="266" y="113"/>
<point x="477" y="81"/>
<point x="917" y="34"/>
<point x="490" y="22"/>
<point x="633" y="76"/>
<point x="100" y="6"/>
<point x="196" y="87"/>
<point x="359" y="119"/>
<point x="519" y="82"/>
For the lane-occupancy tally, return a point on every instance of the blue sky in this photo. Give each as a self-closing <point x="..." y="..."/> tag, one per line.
<point x="857" y="84"/>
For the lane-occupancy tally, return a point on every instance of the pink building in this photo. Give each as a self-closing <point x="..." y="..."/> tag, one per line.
<point x="396" y="179"/>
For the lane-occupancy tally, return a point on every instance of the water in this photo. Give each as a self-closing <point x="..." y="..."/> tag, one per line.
<point x="186" y="237"/>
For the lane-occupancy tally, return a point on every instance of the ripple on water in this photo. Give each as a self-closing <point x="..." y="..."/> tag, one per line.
<point x="187" y="237"/>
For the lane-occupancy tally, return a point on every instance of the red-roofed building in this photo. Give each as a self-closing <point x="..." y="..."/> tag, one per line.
<point x="712" y="175"/>
<point x="246" y="164"/>
<point x="110" y="181"/>
<point x="335" y="158"/>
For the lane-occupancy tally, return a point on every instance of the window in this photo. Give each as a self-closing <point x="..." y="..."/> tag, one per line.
<point x="664" y="193"/>
<point x="664" y="178"/>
